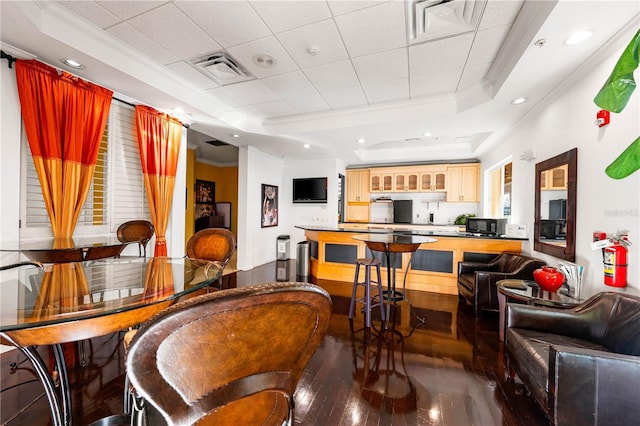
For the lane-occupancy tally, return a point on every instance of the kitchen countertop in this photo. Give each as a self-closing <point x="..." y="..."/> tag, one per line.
<point x="397" y="230"/>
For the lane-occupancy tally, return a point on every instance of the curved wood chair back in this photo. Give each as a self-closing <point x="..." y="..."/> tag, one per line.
<point x="232" y="357"/>
<point x="213" y="244"/>
<point x="139" y="231"/>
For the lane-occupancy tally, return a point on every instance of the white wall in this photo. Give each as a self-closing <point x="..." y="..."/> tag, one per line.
<point x="566" y="122"/>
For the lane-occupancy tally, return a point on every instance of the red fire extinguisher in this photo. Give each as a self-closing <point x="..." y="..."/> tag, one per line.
<point x="615" y="265"/>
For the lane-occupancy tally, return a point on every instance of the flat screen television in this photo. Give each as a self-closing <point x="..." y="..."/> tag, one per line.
<point x="310" y="190"/>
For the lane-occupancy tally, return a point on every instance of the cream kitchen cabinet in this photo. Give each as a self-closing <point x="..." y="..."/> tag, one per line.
<point x="358" y="196"/>
<point x="405" y="182"/>
<point x="554" y="179"/>
<point x="432" y="180"/>
<point x="463" y="183"/>
<point x="381" y="181"/>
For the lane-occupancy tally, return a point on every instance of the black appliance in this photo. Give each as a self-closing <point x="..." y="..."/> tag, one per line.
<point x="553" y="229"/>
<point x="310" y="190"/>
<point x="558" y="209"/>
<point x="486" y="226"/>
<point x="402" y="211"/>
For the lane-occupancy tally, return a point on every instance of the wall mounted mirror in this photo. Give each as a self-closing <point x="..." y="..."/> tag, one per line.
<point x="554" y="230"/>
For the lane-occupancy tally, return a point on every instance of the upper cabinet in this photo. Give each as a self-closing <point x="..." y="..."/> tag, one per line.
<point x="554" y="179"/>
<point x="358" y="185"/>
<point x="358" y="196"/>
<point x="380" y="182"/>
<point x="433" y="179"/>
<point x="405" y="182"/>
<point x="464" y="183"/>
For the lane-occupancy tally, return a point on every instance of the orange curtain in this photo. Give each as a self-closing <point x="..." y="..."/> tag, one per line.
<point x="64" y="118"/>
<point x="159" y="141"/>
<point x="63" y="289"/>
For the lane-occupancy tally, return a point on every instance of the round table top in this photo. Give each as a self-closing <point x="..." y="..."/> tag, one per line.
<point x="394" y="238"/>
<point x="70" y="293"/>
<point x="529" y="292"/>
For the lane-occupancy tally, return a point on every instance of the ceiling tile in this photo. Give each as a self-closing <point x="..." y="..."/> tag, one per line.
<point x="269" y="109"/>
<point x="434" y="84"/>
<point x="268" y="45"/>
<point x="343" y="98"/>
<point x="373" y="30"/>
<point x="382" y="91"/>
<point x="129" y="9"/>
<point x="487" y="44"/>
<point x="241" y="22"/>
<point x="338" y="75"/>
<point x="290" y="85"/>
<point x="498" y="13"/>
<point x="186" y="71"/>
<point x="144" y="44"/>
<point x="340" y="7"/>
<point x="322" y="35"/>
<point x="170" y="28"/>
<point x="285" y="15"/>
<point x="226" y="98"/>
<point x="251" y="92"/>
<point x="439" y="55"/>
<point x="92" y="12"/>
<point x="390" y="65"/>
<point x="308" y="103"/>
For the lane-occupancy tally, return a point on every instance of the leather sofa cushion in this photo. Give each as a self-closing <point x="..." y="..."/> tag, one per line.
<point x="623" y="334"/>
<point x="468" y="281"/>
<point x="531" y="350"/>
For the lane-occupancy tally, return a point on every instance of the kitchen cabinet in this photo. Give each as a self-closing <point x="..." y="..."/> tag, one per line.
<point x="554" y="179"/>
<point x="464" y="183"/>
<point x="403" y="182"/>
<point x="432" y="180"/>
<point x="380" y="181"/>
<point x="358" y="185"/>
<point x="358" y="195"/>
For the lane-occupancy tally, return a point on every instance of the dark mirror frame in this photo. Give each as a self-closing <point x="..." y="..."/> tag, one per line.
<point x="569" y="251"/>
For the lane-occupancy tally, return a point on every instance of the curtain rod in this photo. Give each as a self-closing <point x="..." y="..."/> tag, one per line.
<point x="12" y="59"/>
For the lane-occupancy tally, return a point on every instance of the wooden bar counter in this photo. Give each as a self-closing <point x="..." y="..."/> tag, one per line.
<point x="433" y="268"/>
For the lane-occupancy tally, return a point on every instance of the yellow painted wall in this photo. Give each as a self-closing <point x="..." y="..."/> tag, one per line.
<point x="226" y="179"/>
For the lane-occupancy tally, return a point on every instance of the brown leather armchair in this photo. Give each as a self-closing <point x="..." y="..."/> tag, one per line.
<point x="232" y="357"/>
<point x="582" y="365"/>
<point x="477" y="281"/>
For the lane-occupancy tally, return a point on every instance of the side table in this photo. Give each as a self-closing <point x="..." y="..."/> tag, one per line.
<point x="528" y="292"/>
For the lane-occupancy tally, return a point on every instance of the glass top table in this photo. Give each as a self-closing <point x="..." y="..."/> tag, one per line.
<point x="74" y="301"/>
<point x="60" y="250"/>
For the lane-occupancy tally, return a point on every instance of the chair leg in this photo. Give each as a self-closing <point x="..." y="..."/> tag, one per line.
<point x="367" y="295"/>
<point x="352" y="306"/>
<point x="380" y="294"/>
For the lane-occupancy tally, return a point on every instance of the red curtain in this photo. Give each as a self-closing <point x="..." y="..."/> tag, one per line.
<point x="64" y="117"/>
<point x="159" y="138"/>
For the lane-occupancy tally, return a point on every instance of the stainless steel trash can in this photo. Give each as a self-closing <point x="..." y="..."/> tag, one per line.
<point x="302" y="259"/>
<point x="282" y="247"/>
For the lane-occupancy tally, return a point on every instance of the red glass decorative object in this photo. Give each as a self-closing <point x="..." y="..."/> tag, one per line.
<point x="548" y="278"/>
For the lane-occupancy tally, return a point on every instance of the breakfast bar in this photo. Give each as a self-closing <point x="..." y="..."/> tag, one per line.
<point x="433" y="268"/>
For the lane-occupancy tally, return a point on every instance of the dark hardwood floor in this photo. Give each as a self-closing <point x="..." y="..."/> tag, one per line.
<point x="448" y="371"/>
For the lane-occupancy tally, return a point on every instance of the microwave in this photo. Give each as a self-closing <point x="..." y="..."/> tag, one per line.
<point x="487" y="226"/>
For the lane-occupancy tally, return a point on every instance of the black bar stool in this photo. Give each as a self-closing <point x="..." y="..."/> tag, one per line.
<point x="367" y="299"/>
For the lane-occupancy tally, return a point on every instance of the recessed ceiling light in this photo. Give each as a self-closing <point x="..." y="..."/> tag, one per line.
<point x="361" y="140"/>
<point x="306" y="145"/>
<point x="263" y="60"/>
<point x="235" y="135"/>
<point x="427" y="134"/>
<point x="71" y="63"/>
<point x="519" y="101"/>
<point x="578" y="37"/>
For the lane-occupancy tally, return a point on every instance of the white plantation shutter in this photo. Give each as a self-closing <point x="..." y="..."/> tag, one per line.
<point x="117" y="191"/>
<point x="129" y="195"/>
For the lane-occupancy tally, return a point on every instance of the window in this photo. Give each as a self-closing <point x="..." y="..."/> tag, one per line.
<point x="117" y="192"/>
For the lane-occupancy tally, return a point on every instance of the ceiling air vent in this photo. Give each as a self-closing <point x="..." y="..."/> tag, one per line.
<point x="434" y="19"/>
<point x="222" y="68"/>
<point x="216" y="142"/>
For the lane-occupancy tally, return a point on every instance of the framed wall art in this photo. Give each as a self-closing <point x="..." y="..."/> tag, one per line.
<point x="269" y="216"/>
<point x="205" y="199"/>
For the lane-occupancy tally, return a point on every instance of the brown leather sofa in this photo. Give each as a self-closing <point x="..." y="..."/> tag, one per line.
<point x="582" y="365"/>
<point x="477" y="281"/>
